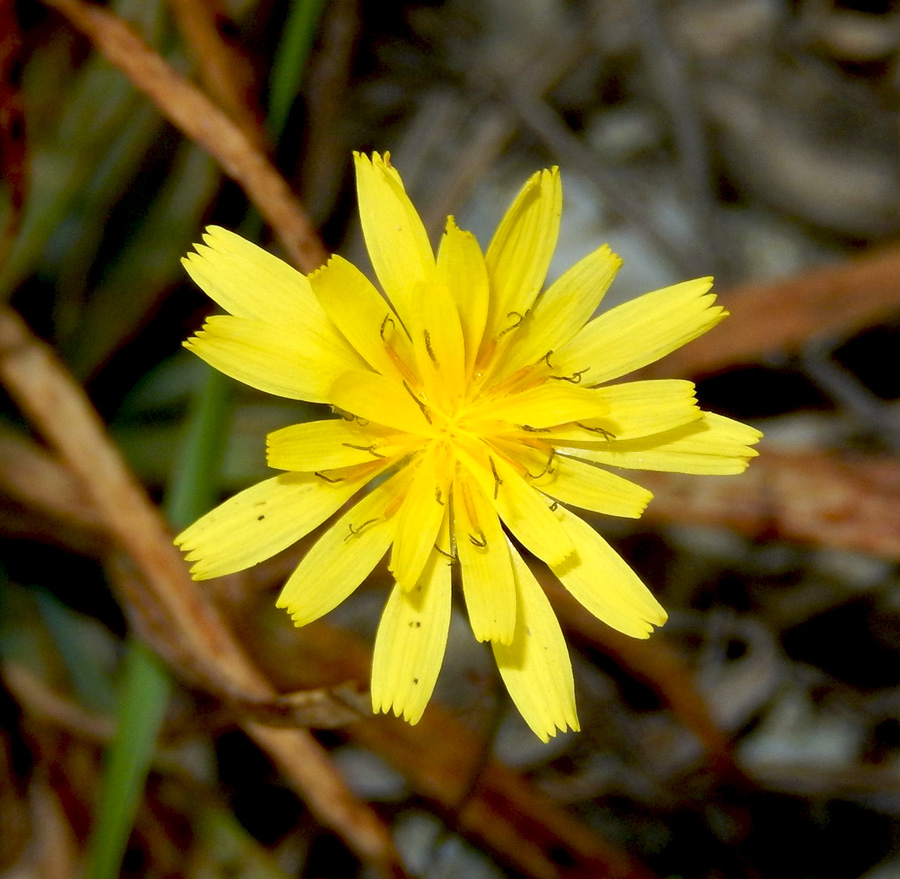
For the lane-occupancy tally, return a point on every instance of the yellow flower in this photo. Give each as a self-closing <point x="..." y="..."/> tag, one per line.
<point x="477" y="411"/>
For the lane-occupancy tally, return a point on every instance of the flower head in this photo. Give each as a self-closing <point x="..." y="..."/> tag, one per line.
<point x="474" y="411"/>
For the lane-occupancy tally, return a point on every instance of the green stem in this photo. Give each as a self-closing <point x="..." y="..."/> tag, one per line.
<point x="286" y="75"/>
<point x="145" y="684"/>
<point x="145" y="694"/>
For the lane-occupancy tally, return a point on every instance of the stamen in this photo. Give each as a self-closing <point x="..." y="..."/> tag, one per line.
<point x="519" y="318"/>
<point x="546" y="359"/>
<point x="420" y="404"/>
<point x="574" y="378"/>
<point x="354" y="532"/>
<point x="480" y="540"/>
<point x="330" y="479"/>
<point x="428" y="347"/>
<point x="529" y="429"/>
<point x="370" y="449"/>
<point x="548" y="467"/>
<point x="497" y="480"/>
<point x="606" y="434"/>
<point x="389" y="319"/>
<point x="349" y="416"/>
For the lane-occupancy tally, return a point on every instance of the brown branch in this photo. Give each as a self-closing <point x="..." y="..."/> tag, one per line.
<point x="40" y="701"/>
<point x="225" y="72"/>
<point x="56" y="405"/>
<point x="844" y="501"/>
<point x="203" y="122"/>
<point x="45" y="502"/>
<point x="504" y="813"/>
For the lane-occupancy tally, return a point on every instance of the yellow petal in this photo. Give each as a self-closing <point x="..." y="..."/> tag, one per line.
<point x="380" y="399"/>
<point x="548" y="404"/>
<point x="526" y="512"/>
<point x="636" y="409"/>
<point x="263" y="520"/>
<point x="714" y="445"/>
<point x="247" y="281"/>
<point x="483" y="552"/>
<point x="357" y="309"/>
<point x="297" y="363"/>
<point x="535" y="666"/>
<point x="599" y="578"/>
<point x="344" y="555"/>
<point x="645" y="407"/>
<point x="583" y="485"/>
<point x="520" y="252"/>
<point x="410" y="644"/>
<point x="325" y="445"/>
<point x="641" y="331"/>
<point x="420" y="517"/>
<point x="438" y="343"/>
<point x="562" y="310"/>
<point x="462" y="270"/>
<point x="395" y="237"/>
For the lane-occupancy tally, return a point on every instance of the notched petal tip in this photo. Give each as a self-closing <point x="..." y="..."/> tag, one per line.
<point x="378" y="162"/>
<point x="614" y="261"/>
<point x="500" y="633"/>
<point x="200" y="565"/>
<point x="570" y="724"/>
<point x="739" y="463"/>
<point x="294" y="613"/>
<point x="385" y="706"/>
<point x="188" y="550"/>
<point x="214" y="231"/>
<point x="361" y="158"/>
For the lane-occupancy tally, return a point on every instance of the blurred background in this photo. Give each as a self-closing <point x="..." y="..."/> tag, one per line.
<point x="151" y="727"/>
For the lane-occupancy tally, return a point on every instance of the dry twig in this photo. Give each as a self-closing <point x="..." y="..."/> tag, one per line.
<point x="225" y="72"/>
<point x="43" y="703"/>
<point x="504" y="813"/>
<point x="59" y="409"/>
<point x="847" y="502"/>
<point x="778" y="317"/>
<point x="203" y="122"/>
